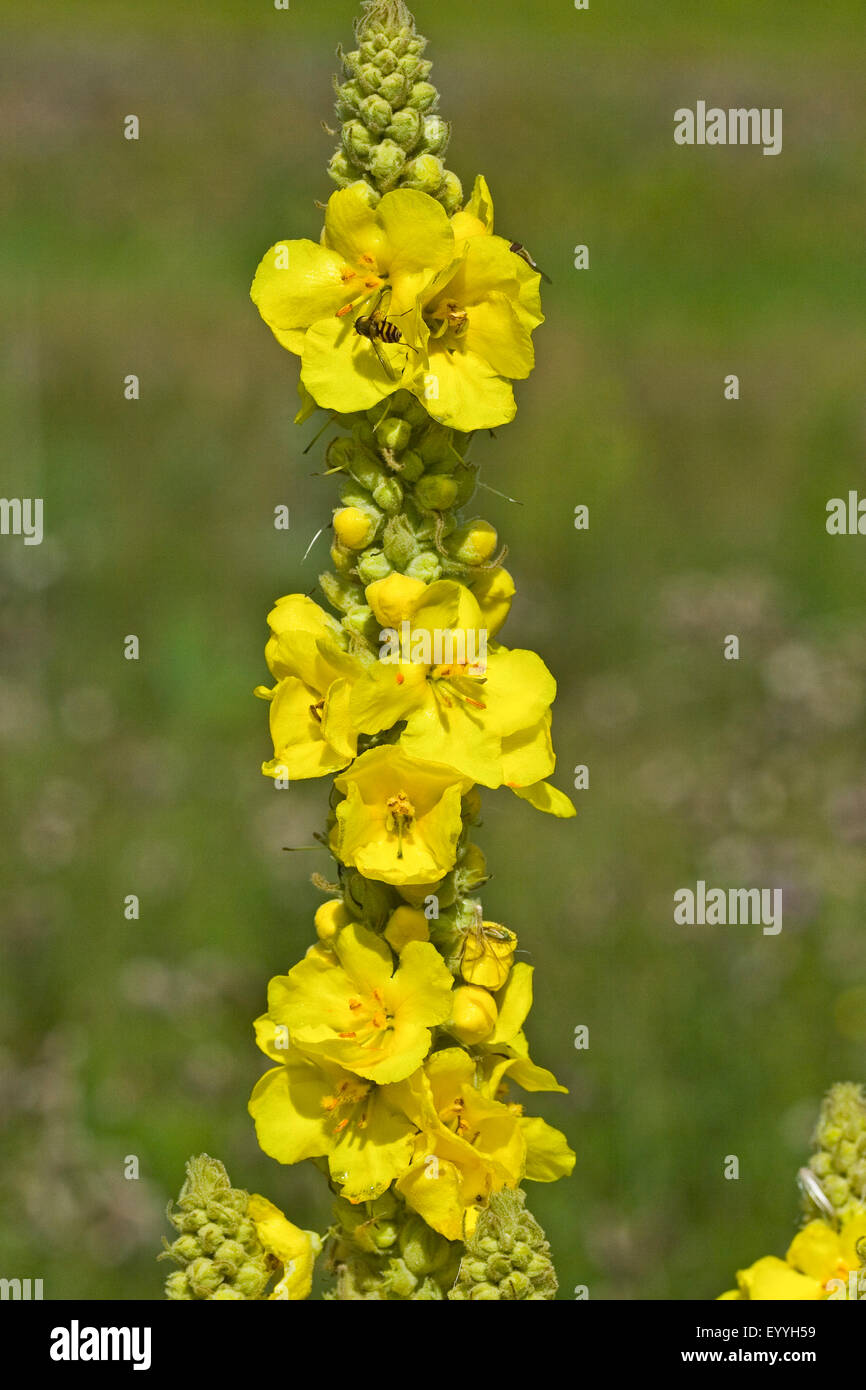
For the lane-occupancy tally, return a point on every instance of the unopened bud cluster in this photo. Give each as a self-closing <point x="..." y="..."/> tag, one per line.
<point x="218" y="1250"/>
<point x="392" y="135"/>
<point x="382" y="1252"/>
<point x="404" y="479"/>
<point x="839" y="1162"/>
<point x="508" y="1256"/>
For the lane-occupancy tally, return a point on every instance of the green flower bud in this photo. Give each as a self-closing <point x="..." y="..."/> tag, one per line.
<point x="410" y="66"/>
<point x="349" y="98"/>
<point x="423" y="96"/>
<point x="210" y="1236"/>
<point x="252" y="1278"/>
<point x="248" y="1236"/>
<point x="361" y="623"/>
<point x="422" y="1248"/>
<point x="385" y="163"/>
<point x="428" y="1291"/>
<point x="386" y="61"/>
<point x="405" y="129"/>
<point x="393" y="433"/>
<point x="229" y="1256"/>
<point x="352" y="61"/>
<point x="357" y="142"/>
<point x="372" y="565"/>
<point x="425" y="566"/>
<point x="227" y="1294"/>
<point x="424" y="173"/>
<point x="342" y="170"/>
<point x="515" y="1285"/>
<point x="436" y="134"/>
<point x="371" y="195"/>
<point x="376" y="114"/>
<point x="400" y="1280"/>
<point x="521" y="1255"/>
<point x="369" y="78"/>
<point x="191" y="1220"/>
<point x="203" y="1277"/>
<point x="411" y="466"/>
<point x="388" y="494"/>
<point x="177" y="1285"/>
<point x="399" y="543"/>
<point x="435" y="493"/>
<point x="342" y="591"/>
<point x="484" y="1292"/>
<point x="450" y="194"/>
<point x="182" y="1250"/>
<point x="394" y="88"/>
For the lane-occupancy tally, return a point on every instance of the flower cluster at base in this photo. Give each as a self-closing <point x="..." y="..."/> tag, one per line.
<point x="826" y="1259"/>
<point x="508" y="1256"/>
<point x="395" y="1041"/>
<point x="233" y="1246"/>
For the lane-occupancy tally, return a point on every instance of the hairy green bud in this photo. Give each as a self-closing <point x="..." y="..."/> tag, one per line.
<point x="508" y="1256"/>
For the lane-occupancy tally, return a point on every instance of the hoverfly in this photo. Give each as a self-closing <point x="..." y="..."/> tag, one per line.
<point x="377" y="328"/>
<point x="521" y="251"/>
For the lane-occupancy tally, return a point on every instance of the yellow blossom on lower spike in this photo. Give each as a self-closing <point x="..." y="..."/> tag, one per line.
<point x="817" y="1265"/>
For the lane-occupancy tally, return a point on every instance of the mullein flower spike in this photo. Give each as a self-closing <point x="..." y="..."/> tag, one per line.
<point x="395" y="1041"/>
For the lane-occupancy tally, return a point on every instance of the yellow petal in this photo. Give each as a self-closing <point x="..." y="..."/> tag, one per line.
<point x="496" y="333"/>
<point x="544" y="797"/>
<point x="461" y="390"/>
<point x="548" y="1156"/>
<point x="772" y="1278"/>
<point x="298" y="283"/>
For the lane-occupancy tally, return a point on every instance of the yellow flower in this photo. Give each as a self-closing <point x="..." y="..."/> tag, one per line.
<point x="816" y="1267"/>
<point x="310" y="295"/>
<point x="361" y="1013"/>
<point x="296" y="1250"/>
<point x="493" y="591"/>
<point x="480" y="315"/>
<point x="309" y="705"/>
<point x="406" y="924"/>
<point x="483" y="711"/>
<point x="307" y="1109"/>
<point x="400" y="820"/>
<point x="469" y="1144"/>
<point x="505" y="1050"/>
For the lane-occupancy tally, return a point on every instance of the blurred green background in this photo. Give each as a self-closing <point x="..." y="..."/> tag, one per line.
<point x="706" y="518"/>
